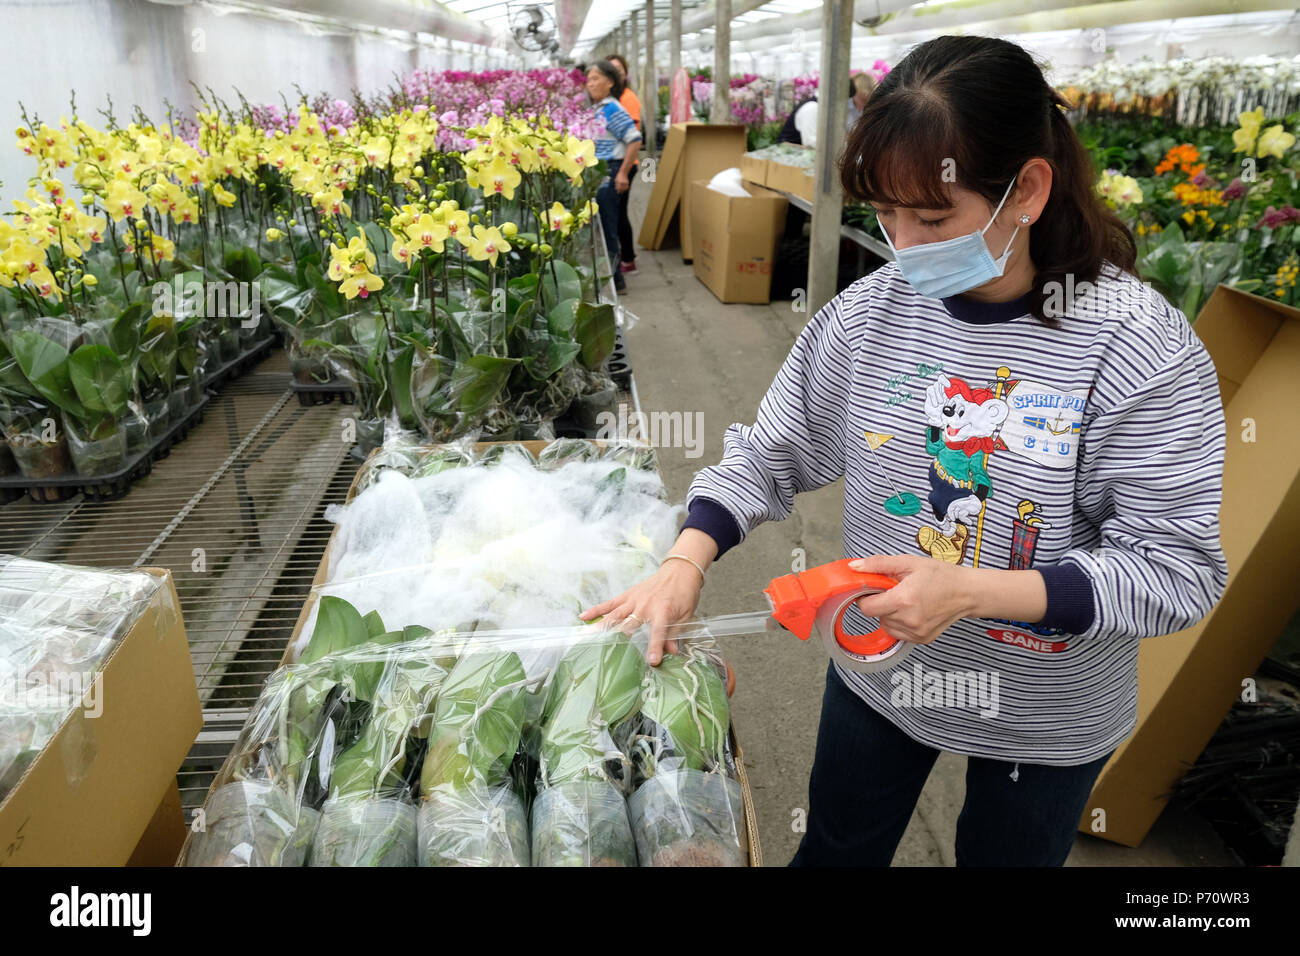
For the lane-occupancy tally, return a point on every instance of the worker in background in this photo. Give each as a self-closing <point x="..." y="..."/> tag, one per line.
<point x="617" y="146"/>
<point x="632" y="104"/>
<point x="862" y="84"/>
<point x="801" y="125"/>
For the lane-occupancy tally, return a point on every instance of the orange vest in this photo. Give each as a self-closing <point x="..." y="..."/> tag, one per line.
<point x="630" y="103"/>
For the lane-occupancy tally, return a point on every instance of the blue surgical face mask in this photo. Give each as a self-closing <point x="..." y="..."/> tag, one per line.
<point x="941" y="269"/>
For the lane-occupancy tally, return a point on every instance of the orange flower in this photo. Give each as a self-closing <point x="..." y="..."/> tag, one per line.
<point x="1183" y="156"/>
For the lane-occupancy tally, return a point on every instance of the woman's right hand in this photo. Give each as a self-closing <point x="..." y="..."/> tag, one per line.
<point x="669" y="596"/>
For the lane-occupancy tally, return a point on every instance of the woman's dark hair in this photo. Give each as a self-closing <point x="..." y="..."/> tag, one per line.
<point x="611" y="73"/>
<point x="974" y="110"/>
<point x="622" y="61"/>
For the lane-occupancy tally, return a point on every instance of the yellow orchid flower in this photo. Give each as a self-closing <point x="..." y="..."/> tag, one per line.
<point x="1253" y="120"/>
<point x="404" y="254"/>
<point x="487" y="244"/>
<point x="1243" y="139"/>
<point x="123" y="200"/>
<point x="427" y="233"/>
<point x="579" y="154"/>
<point x="224" y="197"/>
<point x="353" y="259"/>
<point x="361" y="285"/>
<point x="457" y="222"/>
<point x="1274" y="141"/>
<point x="499" y="179"/>
<point x="330" y="202"/>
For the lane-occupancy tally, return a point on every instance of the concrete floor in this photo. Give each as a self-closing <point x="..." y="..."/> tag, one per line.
<point x="712" y="363"/>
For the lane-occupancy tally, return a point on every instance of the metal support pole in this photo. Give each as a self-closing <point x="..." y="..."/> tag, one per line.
<point x="633" y="51"/>
<point x="675" y="41"/>
<point x="650" y="84"/>
<point x="832" y="113"/>
<point x="721" y="111"/>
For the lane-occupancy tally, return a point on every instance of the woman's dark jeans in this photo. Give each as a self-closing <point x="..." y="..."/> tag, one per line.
<point x="608" y="201"/>
<point x="626" y="247"/>
<point x="867" y="775"/>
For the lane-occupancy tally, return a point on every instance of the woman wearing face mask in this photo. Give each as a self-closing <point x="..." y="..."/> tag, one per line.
<point x="618" y="146"/>
<point x="1032" y="444"/>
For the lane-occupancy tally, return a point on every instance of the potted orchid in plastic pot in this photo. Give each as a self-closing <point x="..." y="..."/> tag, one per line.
<point x="370" y="816"/>
<point x="688" y="808"/>
<point x="580" y="814"/>
<point x="88" y="384"/>
<point x="471" y="813"/>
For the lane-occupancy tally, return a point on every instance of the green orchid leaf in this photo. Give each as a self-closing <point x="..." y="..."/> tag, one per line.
<point x="101" y="381"/>
<point x="339" y="626"/>
<point x="594" y="329"/>
<point x="45" y="363"/>
<point x="479" y="380"/>
<point x="477" y="723"/>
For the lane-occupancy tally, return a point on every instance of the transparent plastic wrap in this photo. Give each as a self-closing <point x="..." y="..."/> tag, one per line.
<point x="39" y="447"/>
<point x="366" y="831"/>
<point x="439" y="549"/>
<point x="57" y="624"/>
<point x="687" y="809"/>
<point x="473" y="826"/>
<point x="95" y="457"/>
<point x="331" y="736"/>
<point x="580" y="814"/>
<point x="252" y="823"/>
<point x="400" y="451"/>
<point x="582" y="822"/>
<point x="369" y="818"/>
<point x="688" y="818"/>
<point x="136" y="427"/>
<point x="308" y="365"/>
<point x="593" y="407"/>
<point x="470" y="814"/>
<point x="157" y="415"/>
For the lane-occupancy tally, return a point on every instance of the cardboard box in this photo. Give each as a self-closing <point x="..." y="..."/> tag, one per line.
<point x="94" y="791"/>
<point x="754" y="847"/>
<point x="165" y="835"/>
<point x="736" y="239"/>
<point x="692" y="151"/>
<point x="754" y="168"/>
<point x="791" y="179"/>
<point x="1188" y="681"/>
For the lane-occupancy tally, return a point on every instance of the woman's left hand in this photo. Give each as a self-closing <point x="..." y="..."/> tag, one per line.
<point x="929" y="597"/>
<point x="621" y="183"/>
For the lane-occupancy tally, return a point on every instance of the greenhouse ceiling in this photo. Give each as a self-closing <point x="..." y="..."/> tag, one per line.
<point x="549" y="31"/>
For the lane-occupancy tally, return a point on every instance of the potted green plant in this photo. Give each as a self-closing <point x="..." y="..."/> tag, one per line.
<point x="370" y="818"/>
<point x="267" y="812"/>
<point x="688" y="808"/>
<point x="580" y="814"/>
<point x="470" y="814"/>
<point x="89" y="385"/>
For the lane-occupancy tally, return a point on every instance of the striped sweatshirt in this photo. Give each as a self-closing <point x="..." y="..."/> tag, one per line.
<point x="975" y="434"/>
<point x="620" y="130"/>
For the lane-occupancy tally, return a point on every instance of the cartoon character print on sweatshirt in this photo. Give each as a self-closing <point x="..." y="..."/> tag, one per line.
<point x="961" y="431"/>
<point x="964" y="426"/>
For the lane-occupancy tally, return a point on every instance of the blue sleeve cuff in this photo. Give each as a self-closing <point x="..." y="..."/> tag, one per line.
<point x="1069" y="597"/>
<point x="715" y="521"/>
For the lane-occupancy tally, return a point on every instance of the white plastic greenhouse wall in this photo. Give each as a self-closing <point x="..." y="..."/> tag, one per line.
<point x="146" y="52"/>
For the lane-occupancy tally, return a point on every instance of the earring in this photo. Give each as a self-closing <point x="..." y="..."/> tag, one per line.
<point x="1024" y="219"/>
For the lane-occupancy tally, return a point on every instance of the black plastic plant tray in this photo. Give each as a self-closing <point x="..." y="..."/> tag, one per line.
<point x="322" y="393"/>
<point x="240" y="363"/>
<point x="112" y="486"/>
